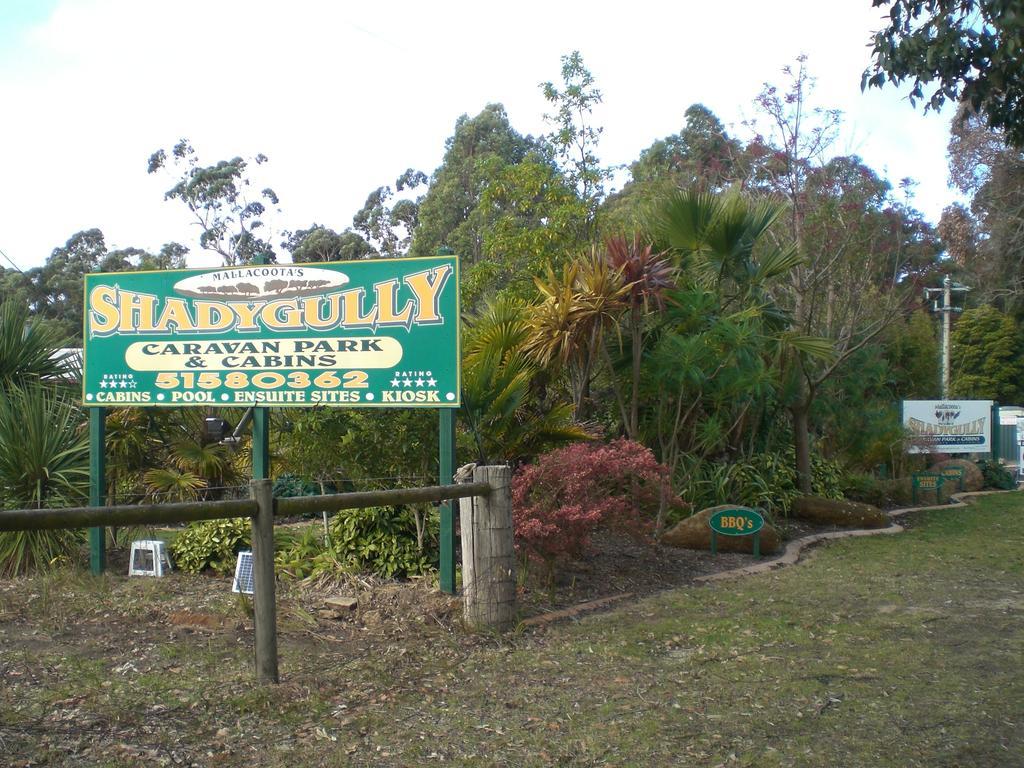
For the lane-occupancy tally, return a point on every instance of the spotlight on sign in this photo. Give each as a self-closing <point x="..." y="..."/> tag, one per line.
<point x="215" y="429"/>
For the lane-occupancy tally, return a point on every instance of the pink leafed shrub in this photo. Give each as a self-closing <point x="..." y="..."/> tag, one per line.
<point x="571" y="492"/>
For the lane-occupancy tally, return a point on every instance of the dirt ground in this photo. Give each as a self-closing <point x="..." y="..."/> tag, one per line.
<point x="111" y="671"/>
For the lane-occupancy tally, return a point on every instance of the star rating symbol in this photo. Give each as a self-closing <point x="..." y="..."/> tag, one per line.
<point x="395" y="382"/>
<point x="420" y="382"/>
<point x="431" y="382"/>
<point x="103" y="385"/>
<point x="407" y="382"/>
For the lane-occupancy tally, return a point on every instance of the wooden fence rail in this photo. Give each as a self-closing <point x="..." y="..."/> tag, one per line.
<point x="262" y="508"/>
<point x="185" y="512"/>
<point x="300" y="505"/>
<point x="123" y="514"/>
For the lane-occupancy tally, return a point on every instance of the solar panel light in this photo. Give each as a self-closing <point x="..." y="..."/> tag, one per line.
<point x="243" y="574"/>
<point x="149" y="558"/>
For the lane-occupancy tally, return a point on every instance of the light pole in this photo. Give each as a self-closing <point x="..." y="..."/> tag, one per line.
<point x="946" y="309"/>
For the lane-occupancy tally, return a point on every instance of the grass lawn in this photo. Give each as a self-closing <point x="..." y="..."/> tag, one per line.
<point x="895" y="651"/>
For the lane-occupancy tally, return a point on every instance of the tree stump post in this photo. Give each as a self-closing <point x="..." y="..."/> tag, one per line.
<point x="488" y="556"/>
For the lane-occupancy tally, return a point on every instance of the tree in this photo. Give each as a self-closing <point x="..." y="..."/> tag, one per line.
<point x="508" y="419"/>
<point x="55" y="290"/>
<point x="647" y="275"/>
<point x="171" y="256"/>
<point x="60" y="281"/>
<point x="710" y="370"/>
<point x="575" y="138"/>
<point x="707" y="378"/>
<point x="219" y="199"/>
<point x="911" y="350"/>
<point x="702" y="155"/>
<point x="477" y="151"/>
<point x="988" y="357"/>
<point x="530" y="217"/>
<point x="390" y="228"/>
<point x="44" y="452"/>
<point x="986" y="241"/>
<point x="318" y="243"/>
<point x="19" y="287"/>
<point x="27" y="347"/>
<point x="567" y="328"/>
<point x="970" y="49"/>
<point x="857" y="245"/>
<point x="44" y="462"/>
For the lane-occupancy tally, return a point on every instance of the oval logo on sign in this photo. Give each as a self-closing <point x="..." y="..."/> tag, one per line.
<point x="272" y="281"/>
<point x="736" y="521"/>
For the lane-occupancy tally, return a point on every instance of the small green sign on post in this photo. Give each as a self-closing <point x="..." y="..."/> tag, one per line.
<point x="736" y="521"/>
<point x="927" y="482"/>
<point x="954" y="473"/>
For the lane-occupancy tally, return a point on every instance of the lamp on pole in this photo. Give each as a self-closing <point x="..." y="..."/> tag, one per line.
<point x="946" y="308"/>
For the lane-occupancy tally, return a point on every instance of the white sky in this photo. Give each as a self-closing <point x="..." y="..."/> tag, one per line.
<point x="344" y="97"/>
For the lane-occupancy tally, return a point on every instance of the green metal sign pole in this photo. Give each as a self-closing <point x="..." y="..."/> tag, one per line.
<point x="260" y="443"/>
<point x="97" y="486"/>
<point x="995" y="432"/>
<point x="260" y="428"/>
<point x="446" y="462"/>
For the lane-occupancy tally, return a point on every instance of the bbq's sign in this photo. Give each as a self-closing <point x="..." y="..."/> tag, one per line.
<point x="364" y="334"/>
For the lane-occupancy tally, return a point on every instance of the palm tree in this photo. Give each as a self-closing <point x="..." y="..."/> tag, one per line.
<point x="722" y="246"/>
<point x="170" y="484"/>
<point x="191" y="466"/>
<point x="44" y="462"/>
<point x="647" y="276"/>
<point x="44" y="452"/>
<point x="130" y="450"/>
<point x="498" y="389"/>
<point x="29" y="349"/>
<point x="568" y="327"/>
<point x="721" y="241"/>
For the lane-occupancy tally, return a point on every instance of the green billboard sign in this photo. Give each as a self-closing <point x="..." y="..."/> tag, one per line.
<point x="374" y="333"/>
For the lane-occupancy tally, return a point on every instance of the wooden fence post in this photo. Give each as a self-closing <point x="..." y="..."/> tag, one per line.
<point x="488" y="557"/>
<point x="263" y="598"/>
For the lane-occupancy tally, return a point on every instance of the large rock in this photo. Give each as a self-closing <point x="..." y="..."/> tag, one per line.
<point x="852" y="514"/>
<point x="974" y="480"/>
<point x="694" y="533"/>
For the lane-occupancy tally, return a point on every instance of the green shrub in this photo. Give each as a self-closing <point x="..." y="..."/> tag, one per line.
<point x="301" y="555"/>
<point x="827" y="478"/>
<point x="766" y="480"/>
<point x="996" y="475"/>
<point x="901" y="491"/>
<point x="287" y="486"/>
<point x="867" y="489"/>
<point x="378" y="539"/>
<point x="211" y="544"/>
